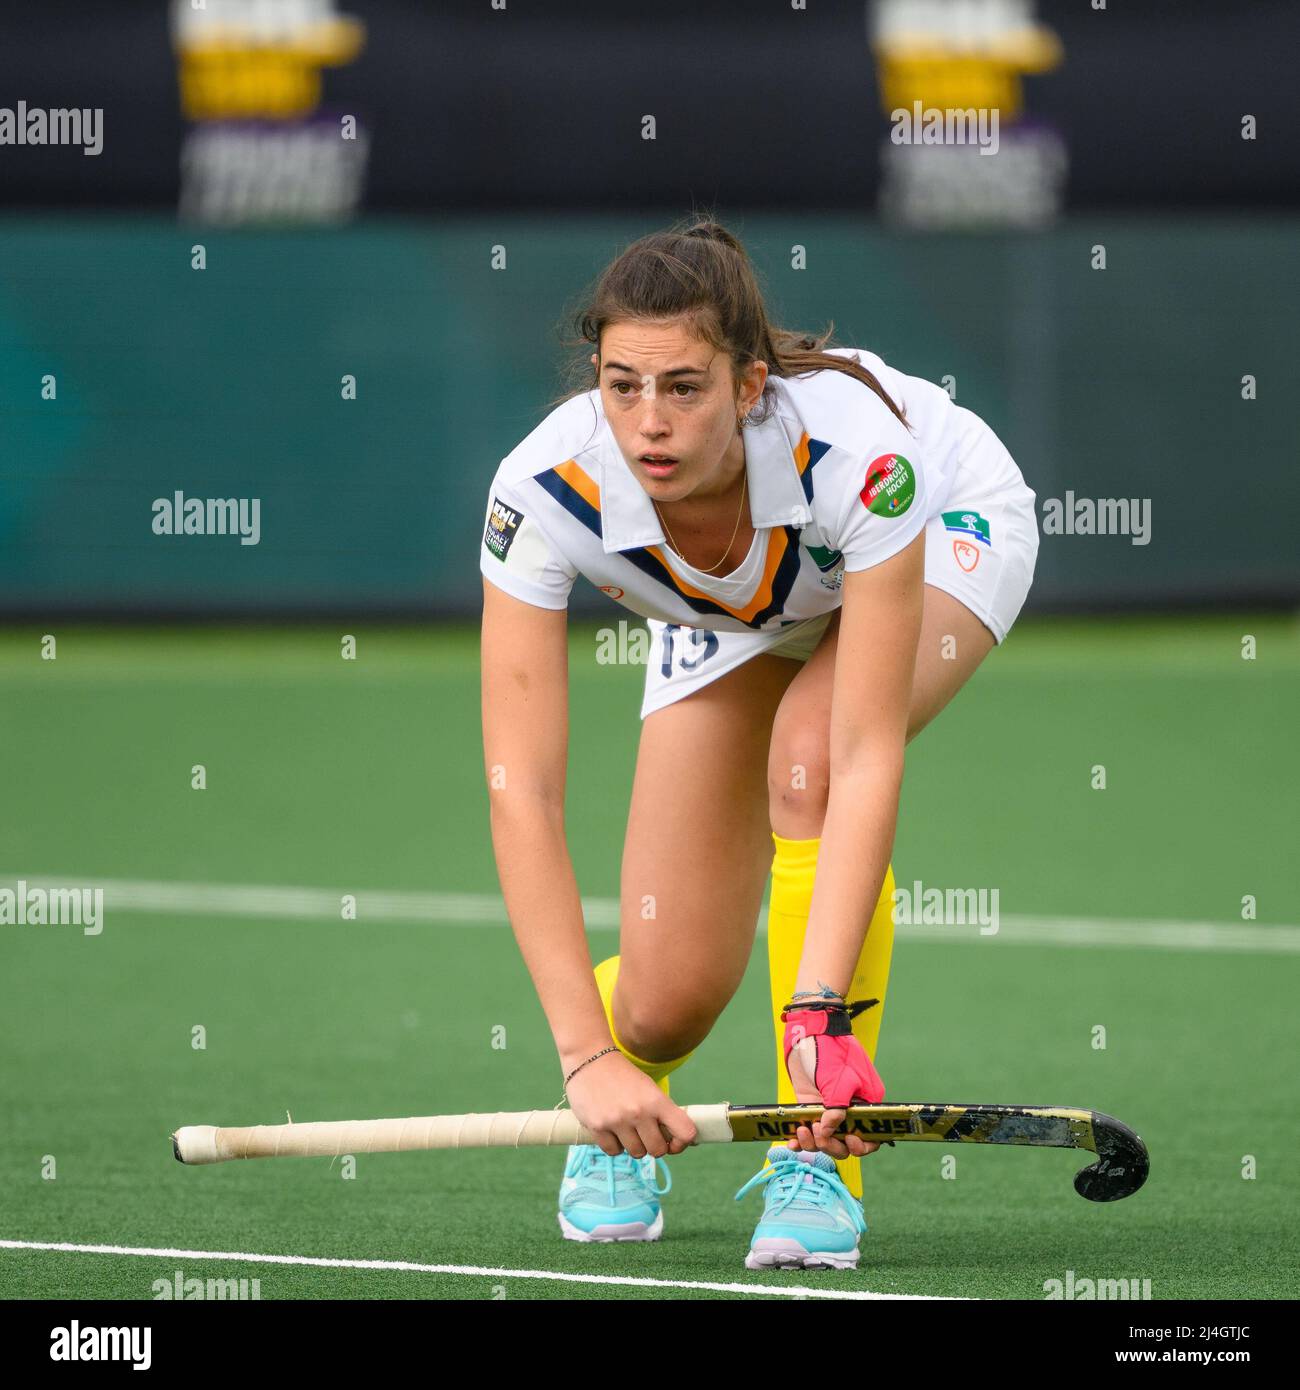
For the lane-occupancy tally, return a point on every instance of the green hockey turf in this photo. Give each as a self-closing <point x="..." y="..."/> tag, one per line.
<point x="367" y="775"/>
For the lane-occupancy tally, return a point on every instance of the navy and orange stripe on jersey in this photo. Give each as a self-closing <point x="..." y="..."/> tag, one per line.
<point x="579" y="494"/>
<point x="589" y="515"/>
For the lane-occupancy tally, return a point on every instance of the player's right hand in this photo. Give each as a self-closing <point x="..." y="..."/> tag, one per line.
<point x="625" y="1110"/>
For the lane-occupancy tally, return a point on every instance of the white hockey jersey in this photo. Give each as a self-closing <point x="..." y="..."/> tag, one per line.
<point x="835" y="484"/>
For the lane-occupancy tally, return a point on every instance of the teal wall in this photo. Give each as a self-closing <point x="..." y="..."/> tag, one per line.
<point x="226" y="382"/>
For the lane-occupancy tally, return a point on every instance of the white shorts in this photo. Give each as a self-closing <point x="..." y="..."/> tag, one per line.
<point x="990" y="576"/>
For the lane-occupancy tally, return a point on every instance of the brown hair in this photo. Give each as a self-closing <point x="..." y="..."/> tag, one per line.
<point x="700" y="270"/>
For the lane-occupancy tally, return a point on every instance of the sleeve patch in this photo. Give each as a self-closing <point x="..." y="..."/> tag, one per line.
<point x="889" y="487"/>
<point x="502" y="527"/>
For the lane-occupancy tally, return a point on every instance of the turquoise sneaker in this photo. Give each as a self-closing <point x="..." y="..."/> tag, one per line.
<point x="606" y="1199"/>
<point x="811" y="1220"/>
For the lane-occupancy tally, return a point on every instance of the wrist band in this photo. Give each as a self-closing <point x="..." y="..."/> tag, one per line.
<point x="828" y="1007"/>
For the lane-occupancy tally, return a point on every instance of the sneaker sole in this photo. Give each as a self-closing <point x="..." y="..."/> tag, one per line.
<point x="788" y="1254"/>
<point x="604" y="1235"/>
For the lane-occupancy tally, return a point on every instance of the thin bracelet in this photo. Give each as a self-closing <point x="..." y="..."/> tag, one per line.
<point x="825" y="992"/>
<point x="592" y="1058"/>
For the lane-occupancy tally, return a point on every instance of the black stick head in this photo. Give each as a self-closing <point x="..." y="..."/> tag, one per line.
<point x="1122" y="1162"/>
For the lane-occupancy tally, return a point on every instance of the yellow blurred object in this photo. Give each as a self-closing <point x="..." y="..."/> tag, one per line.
<point x="794" y="870"/>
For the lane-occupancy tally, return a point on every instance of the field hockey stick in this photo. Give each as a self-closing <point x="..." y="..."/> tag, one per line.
<point x="1120" y="1169"/>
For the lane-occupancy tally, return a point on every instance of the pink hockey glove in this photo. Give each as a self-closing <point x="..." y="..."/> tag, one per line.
<point x="822" y="1054"/>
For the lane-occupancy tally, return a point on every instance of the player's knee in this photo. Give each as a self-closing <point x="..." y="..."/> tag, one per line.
<point x="662" y="1034"/>
<point x="798" y="781"/>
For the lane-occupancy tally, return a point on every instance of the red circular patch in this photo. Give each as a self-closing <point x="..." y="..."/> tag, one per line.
<point x="877" y="471"/>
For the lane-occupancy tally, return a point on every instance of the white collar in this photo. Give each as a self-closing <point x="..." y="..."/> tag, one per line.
<point x="628" y="518"/>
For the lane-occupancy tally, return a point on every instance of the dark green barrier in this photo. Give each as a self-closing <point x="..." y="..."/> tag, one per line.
<point x="226" y="382"/>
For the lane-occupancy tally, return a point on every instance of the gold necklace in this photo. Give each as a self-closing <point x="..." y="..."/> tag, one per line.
<point x="734" y="530"/>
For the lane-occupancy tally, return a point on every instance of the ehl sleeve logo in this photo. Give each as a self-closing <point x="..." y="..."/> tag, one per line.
<point x="502" y="528"/>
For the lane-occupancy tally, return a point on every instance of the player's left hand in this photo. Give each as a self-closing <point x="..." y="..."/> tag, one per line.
<point x="827" y="1065"/>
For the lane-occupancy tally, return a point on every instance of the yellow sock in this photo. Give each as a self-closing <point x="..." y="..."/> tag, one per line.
<point x="606" y="976"/>
<point x="794" y="870"/>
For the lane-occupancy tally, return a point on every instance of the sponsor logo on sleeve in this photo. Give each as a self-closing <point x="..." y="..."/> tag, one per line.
<point x="502" y="528"/>
<point x="823" y="557"/>
<point x="967" y="555"/>
<point x="890" y="486"/>
<point x="830" y="563"/>
<point x="969" y="524"/>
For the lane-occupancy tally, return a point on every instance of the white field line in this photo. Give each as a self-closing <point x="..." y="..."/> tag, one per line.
<point x="481" y="1271"/>
<point x="487" y="909"/>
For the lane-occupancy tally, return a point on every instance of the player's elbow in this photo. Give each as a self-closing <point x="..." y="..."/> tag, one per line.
<point x="873" y="765"/>
<point x="529" y="803"/>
